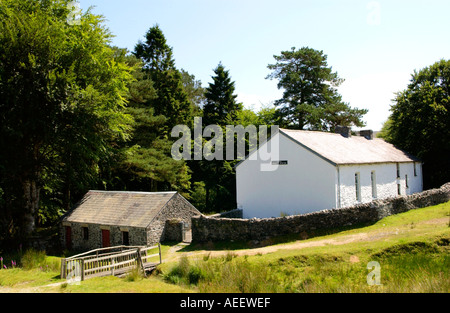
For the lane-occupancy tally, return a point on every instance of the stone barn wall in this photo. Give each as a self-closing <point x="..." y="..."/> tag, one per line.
<point x="177" y="208"/>
<point x="137" y="236"/>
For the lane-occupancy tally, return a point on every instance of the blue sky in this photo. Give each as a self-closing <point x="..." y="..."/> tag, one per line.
<point x="374" y="45"/>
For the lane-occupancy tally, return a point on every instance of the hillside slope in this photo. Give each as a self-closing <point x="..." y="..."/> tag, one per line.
<point x="411" y="251"/>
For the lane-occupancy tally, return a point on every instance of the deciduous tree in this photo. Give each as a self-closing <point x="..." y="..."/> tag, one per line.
<point x="61" y="101"/>
<point x="420" y="120"/>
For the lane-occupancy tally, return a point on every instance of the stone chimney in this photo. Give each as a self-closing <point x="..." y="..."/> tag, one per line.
<point x="345" y="131"/>
<point x="368" y="134"/>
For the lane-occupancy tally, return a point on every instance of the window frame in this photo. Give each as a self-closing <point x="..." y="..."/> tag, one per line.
<point x="358" y="186"/>
<point x="373" y="180"/>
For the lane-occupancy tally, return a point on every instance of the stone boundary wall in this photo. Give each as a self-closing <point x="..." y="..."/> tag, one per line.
<point x="217" y="229"/>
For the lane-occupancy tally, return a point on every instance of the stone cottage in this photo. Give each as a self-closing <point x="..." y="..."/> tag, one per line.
<point x="111" y="218"/>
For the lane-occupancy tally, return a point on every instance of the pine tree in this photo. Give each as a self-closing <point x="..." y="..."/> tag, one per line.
<point x="221" y="106"/>
<point x="310" y="98"/>
<point x="145" y="162"/>
<point x="159" y="66"/>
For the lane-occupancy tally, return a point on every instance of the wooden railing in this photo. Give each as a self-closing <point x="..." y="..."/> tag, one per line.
<point x="110" y="261"/>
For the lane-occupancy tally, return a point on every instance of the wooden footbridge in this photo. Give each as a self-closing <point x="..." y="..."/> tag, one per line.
<point x="114" y="261"/>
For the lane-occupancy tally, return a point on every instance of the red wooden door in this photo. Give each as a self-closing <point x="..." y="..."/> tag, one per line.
<point x="68" y="237"/>
<point x="105" y="238"/>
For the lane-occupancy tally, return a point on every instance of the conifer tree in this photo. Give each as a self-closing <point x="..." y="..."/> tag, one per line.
<point x="221" y="108"/>
<point x="310" y="98"/>
<point x="145" y="162"/>
<point x="171" y="99"/>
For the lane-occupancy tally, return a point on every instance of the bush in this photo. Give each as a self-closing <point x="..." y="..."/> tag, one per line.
<point x="195" y="274"/>
<point x="184" y="272"/>
<point x="34" y="259"/>
<point x="134" y="275"/>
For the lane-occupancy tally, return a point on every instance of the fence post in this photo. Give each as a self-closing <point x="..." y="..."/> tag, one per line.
<point x="82" y="269"/>
<point x="159" y="247"/>
<point x="112" y="264"/>
<point x="63" y="268"/>
<point x="139" y="259"/>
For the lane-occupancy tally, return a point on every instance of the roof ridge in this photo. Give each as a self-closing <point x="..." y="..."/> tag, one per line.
<point x="376" y="150"/>
<point x="138" y="192"/>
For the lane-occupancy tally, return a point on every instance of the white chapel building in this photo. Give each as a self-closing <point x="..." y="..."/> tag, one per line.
<point x="310" y="171"/>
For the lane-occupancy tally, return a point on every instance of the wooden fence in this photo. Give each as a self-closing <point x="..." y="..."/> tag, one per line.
<point x="110" y="261"/>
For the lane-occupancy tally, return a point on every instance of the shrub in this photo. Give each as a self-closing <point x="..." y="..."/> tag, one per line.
<point x="134" y="275"/>
<point x="195" y="274"/>
<point x="33" y="259"/>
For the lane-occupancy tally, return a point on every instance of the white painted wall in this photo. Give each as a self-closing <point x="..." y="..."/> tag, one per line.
<point x="305" y="184"/>
<point x="386" y="181"/>
<point x="309" y="183"/>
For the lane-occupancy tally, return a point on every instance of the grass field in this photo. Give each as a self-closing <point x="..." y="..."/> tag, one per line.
<point x="408" y="252"/>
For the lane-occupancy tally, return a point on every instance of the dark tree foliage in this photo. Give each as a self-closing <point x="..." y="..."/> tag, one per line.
<point x="61" y="104"/>
<point x="171" y="99"/>
<point x="218" y="176"/>
<point x="420" y="121"/>
<point x="220" y="105"/>
<point x="144" y="162"/>
<point x="310" y="98"/>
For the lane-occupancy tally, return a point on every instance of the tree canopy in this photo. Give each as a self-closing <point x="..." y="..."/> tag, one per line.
<point x="420" y="119"/>
<point x="157" y="102"/>
<point x="171" y="98"/>
<point x="217" y="176"/>
<point x="310" y="98"/>
<point x="62" y="98"/>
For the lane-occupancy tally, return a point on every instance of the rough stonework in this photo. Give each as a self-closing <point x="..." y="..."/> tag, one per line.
<point x="217" y="229"/>
<point x="173" y="230"/>
<point x="127" y="218"/>
<point x="179" y="209"/>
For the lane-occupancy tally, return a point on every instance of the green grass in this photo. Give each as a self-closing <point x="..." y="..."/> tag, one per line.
<point x="412" y="249"/>
<point x="111" y="284"/>
<point x="35" y="271"/>
<point x="409" y="267"/>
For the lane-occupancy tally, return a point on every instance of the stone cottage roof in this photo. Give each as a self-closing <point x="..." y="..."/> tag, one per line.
<point x="338" y="149"/>
<point x="119" y="208"/>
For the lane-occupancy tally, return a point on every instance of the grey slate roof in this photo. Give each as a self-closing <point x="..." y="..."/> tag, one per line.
<point x="119" y="208"/>
<point x="338" y="149"/>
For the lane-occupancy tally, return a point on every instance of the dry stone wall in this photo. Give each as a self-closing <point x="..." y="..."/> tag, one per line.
<point x="218" y="229"/>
